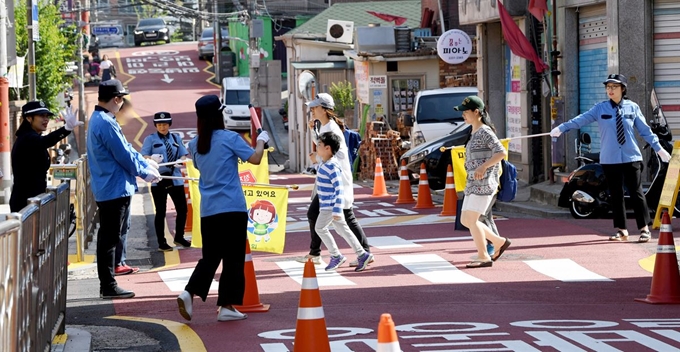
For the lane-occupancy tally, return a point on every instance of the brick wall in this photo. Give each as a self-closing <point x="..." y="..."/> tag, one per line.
<point x="460" y="75"/>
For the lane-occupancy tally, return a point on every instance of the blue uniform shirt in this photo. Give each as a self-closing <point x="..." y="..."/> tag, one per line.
<point x="113" y="162"/>
<point x="604" y="113"/>
<point x="153" y="144"/>
<point x="220" y="184"/>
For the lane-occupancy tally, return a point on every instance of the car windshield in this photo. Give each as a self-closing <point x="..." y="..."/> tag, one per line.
<point x="151" y="22"/>
<point x="237" y="97"/>
<point x="208" y="33"/>
<point x="439" y="107"/>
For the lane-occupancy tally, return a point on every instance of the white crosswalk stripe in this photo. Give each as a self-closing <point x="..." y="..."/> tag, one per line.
<point x="324" y="278"/>
<point x="434" y="269"/>
<point x="565" y="270"/>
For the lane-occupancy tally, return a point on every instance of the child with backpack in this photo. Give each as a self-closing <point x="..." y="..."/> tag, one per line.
<point x="483" y="154"/>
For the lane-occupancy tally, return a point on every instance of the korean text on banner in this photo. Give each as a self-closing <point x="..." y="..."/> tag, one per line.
<point x="458" y="161"/>
<point x="267" y="210"/>
<point x="248" y="173"/>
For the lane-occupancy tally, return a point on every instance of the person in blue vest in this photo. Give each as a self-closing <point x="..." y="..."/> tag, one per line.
<point x="113" y="165"/>
<point x="620" y="156"/>
<point x="164" y="147"/>
<point x="30" y="159"/>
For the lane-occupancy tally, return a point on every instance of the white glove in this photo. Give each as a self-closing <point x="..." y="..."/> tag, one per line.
<point x="157" y="158"/>
<point x="152" y="175"/>
<point x="152" y="163"/>
<point x="663" y="155"/>
<point x="555" y="132"/>
<point x="263" y="136"/>
<point x="70" y="118"/>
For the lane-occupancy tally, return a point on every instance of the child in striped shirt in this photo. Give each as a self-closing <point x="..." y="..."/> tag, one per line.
<point x="330" y="190"/>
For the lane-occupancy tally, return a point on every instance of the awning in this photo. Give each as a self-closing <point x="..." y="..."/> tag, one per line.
<point x="324" y="65"/>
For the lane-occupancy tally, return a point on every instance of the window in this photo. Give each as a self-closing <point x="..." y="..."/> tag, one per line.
<point x="439" y="107"/>
<point x="403" y="93"/>
<point x="237" y="97"/>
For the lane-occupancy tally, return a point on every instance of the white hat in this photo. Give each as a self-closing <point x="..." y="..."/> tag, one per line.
<point x="324" y="100"/>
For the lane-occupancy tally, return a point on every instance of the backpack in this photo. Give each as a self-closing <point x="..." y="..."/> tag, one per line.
<point x="508" y="182"/>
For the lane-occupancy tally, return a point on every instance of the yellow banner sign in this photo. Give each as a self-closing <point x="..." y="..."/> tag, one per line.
<point x="669" y="192"/>
<point x="458" y="162"/>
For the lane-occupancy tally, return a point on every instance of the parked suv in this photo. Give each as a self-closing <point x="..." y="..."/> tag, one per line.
<point x="152" y="30"/>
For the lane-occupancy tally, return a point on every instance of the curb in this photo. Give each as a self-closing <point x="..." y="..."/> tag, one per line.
<point x="73" y="340"/>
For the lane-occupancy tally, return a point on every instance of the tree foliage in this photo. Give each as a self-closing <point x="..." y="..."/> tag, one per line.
<point x="343" y="96"/>
<point x="57" y="46"/>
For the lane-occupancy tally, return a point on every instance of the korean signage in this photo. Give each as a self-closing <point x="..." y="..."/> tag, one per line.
<point x="513" y="101"/>
<point x="361" y="78"/>
<point x="379" y="82"/>
<point x="159" y="62"/>
<point x="454" y="46"/>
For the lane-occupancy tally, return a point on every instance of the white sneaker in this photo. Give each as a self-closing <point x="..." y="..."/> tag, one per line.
<point x="316" y="259"/>
<point x="355" y="263"/>
<point x="184" y="301"/>
<point x="226" y="314"/>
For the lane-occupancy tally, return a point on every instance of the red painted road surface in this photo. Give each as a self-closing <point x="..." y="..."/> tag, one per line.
<point x="561" y="286"/>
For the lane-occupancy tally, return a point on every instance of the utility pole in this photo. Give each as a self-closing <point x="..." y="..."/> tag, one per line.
<point x="5" y="153"/>
<point x="81" y="84"/>
<point x="217" y="48"/>
<point x="32" y="36"/>
<point x="255" y="28"/>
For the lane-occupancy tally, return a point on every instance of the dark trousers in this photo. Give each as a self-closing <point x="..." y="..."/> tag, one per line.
<point x="111" y="218"/>
<point x="627" y="174"/>
<point x="313" y="213"/>
<point x="224" y="240"/>
<point x="121" y="247"/>
<point x="160" y="199"/>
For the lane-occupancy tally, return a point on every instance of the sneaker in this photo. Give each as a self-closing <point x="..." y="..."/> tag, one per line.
<point x="133" y="268"/>
<point x="164" y="248"/>
<point x="490" y="249"/>
<point x="335" y="262"/>
<point x="316" y="259"/>
<point x="355" y="263"/>
<point x="116" y="293"/>
<point x="122" y="270"/>
<point x="180" y="241"/>
<point x="226" y="314"/>
<point x="363" y="261"/>
<point x="184" y="301"/>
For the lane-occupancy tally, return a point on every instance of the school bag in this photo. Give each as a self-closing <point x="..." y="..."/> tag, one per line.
<point x="508" y="182"/>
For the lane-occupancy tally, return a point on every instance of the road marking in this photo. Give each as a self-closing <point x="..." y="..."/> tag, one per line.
<point x="390" y="242"/>
<point x="187" y="338"/>
<point x="434" y="269"/>
<point x="176" y="280"/>
<point x="300" y="225"/>
<point x="442" y="239"/>
<point x="324" y="278"/>
<point x="565" y="270"/>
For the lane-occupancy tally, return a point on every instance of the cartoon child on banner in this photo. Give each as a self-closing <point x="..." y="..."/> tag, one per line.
<point x="263" y="219"/>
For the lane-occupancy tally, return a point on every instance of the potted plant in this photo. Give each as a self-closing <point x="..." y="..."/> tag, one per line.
<point x="343" y="95"/>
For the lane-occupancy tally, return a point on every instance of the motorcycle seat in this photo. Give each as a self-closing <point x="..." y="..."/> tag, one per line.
<point x="595" y="157"/>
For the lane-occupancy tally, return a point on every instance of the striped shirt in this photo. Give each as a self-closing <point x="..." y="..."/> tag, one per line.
<point x="329" y="186"/>
<point x="483" y="144"/>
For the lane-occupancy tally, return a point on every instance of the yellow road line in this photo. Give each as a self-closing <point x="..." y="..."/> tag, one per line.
<point x="648" y="263"/>
<point x="212" y="75"/>
<point x="186" y="337"/>
<point x="137" y="139"/>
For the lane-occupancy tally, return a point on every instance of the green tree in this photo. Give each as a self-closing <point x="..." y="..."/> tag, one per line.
<point x="57" y="46"/>
<point x="343" y="96"/>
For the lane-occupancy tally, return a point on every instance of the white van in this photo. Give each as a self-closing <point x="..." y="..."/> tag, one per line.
<point x="433" y="114"/>
<point x="236" y="97"/>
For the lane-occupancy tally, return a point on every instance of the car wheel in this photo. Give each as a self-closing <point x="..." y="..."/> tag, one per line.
<point x="138" y="43"/>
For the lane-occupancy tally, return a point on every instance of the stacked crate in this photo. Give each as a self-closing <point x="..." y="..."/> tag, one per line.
<point x="380" y="142"/>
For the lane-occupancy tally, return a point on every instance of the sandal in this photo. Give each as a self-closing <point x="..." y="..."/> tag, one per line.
<point x="645" y="236"/>
<point x="479" y="264"/>
<point x="505" y="246"/>
<point x="620" y="236"/>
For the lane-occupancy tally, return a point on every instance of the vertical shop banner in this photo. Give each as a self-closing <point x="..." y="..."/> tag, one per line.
<point x="248" y="173"/>
<point x="267" y="210"/>
<point x="458" y="163"/>
<point x="513" y="101"/>
<point x="361" y="81"/>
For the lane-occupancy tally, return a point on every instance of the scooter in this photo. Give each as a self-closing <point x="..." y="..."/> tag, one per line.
<point x="586" y="193"/>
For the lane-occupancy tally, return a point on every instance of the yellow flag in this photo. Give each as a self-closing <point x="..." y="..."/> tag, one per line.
<point x="195" y="194"/>
<point x="458" y="162"/>
<point x="250" y="173"/>
<point x="267" y="210"/>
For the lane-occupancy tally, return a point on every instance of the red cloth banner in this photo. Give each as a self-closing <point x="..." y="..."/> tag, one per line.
<point x="398" y="20"/>
<point x="538" y="8"/>
<point x="519" y="44"/>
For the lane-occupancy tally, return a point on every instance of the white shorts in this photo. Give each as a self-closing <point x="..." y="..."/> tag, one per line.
<point x="477" y="203"/>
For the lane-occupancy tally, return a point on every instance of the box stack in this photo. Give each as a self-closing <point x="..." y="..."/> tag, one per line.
<point x="380" y="142"/>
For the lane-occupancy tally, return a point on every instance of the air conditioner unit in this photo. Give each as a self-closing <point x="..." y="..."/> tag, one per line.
<point x="339" y="31"/>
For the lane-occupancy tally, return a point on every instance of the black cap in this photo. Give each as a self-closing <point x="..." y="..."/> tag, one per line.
<point x="111" y="88"/>
<point x="36" y="107"/>
<point x="472" y="102"/>
<point x="616" y="78"/>
<point x="208" y="105"/>
<point x="162" y="117"/>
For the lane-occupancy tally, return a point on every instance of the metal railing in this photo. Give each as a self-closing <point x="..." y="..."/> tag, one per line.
<point x="34" y="251"/>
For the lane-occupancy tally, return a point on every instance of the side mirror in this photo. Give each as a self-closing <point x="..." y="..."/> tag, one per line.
<point x="585" y="138"/>
<point x="408" y="120"/>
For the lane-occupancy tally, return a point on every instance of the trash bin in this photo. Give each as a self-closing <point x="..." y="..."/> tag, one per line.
<point x="227" y="62"/>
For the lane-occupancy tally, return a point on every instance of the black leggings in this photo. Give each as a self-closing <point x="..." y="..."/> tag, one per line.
<point x="627" y="174"/>
<point x="352" y="222"/>
<point x="160" y="199"/>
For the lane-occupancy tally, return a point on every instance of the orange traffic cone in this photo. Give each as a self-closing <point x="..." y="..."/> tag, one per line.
<point x="251" y="297"/>
<point x="450" y="196"/>
<point x="405" y="195"/>
<point x="666" y="277"/>
<point x="310" y="332"/>
<point x="387" y="335"/>
<point x="424" y="196"/>
<point x="189" y="225"/>
<point x="379" y="187"/>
